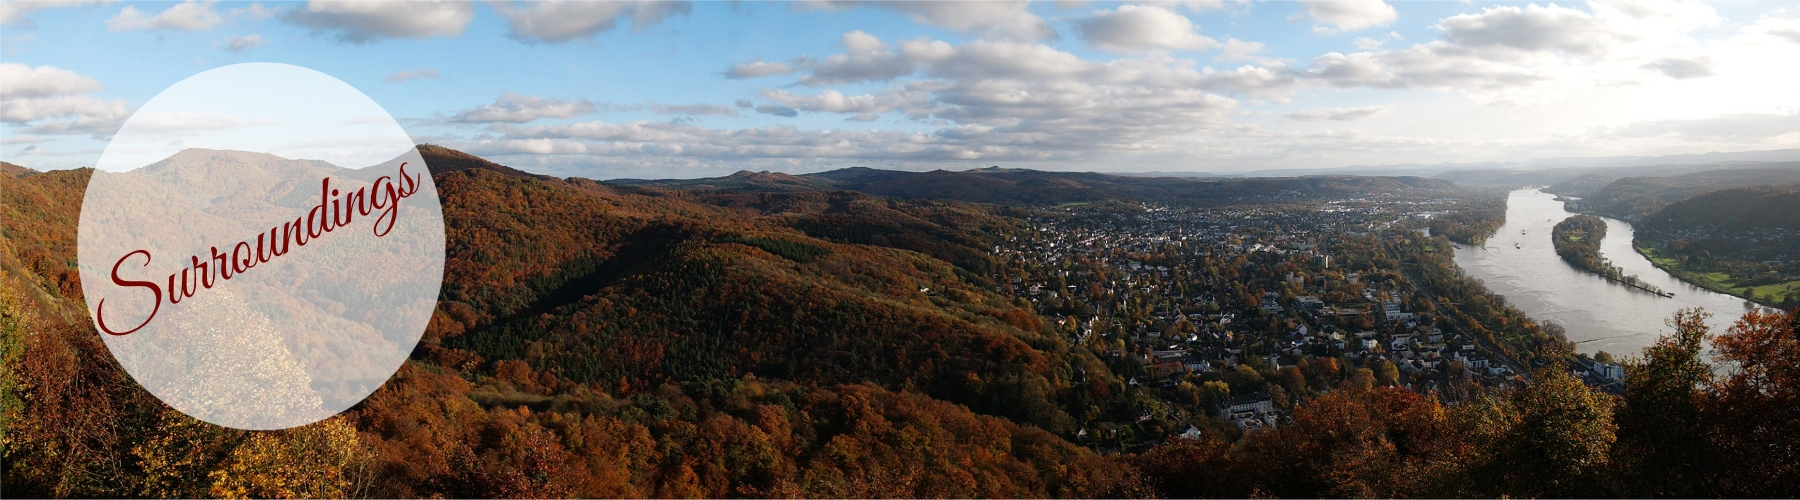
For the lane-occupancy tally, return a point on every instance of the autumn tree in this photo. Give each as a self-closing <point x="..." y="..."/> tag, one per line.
<point x="1551" y="439"/>
<point x="1754" y="409"/>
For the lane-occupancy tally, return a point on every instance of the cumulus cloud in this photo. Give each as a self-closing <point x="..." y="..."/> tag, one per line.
<point x="184" y="16"/>
<point x="777" y="110"/>
<point x="623" y="141"/>
<point x="1003" y="98"/>
<point x="13" y="13"/>
<point x="758" y="69"/>
<point x="693" y="109"/>
<point x="864" y="107"/>
<point x="1338" y="114"/>
<point x="1778" y="28"/>
<point x="1366" y="43"/>
<point x="51" y="101"/>
<point x="1010" y="84"/>
<point x="557" y="21"/>
<point x="1135" y="28"/>
<point x="865" y="59"/>
<point x="514" y="108"/>
<point x="1000" y="19"/>
<point x="1682" y="69"/>
<point x="1508" y="50"/>
<point x="987" y="99"/>
<point x="363" y="21"/>
<point x="1333" y="16"/>
<point x="241" y="43"/>
<point x="406" y="76"/>
<point x="1531" y="28"/>
<point x="1235" y="50"/>
<point x="26" y="82"/>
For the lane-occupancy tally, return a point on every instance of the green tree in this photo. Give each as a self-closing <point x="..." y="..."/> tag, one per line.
<point x="1663" y="449"/>
<point x="1551" y="439"/>
<point x="1386" y="373"/>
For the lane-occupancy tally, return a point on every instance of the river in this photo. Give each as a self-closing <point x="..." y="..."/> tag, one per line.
<point x="1599" y="315"/>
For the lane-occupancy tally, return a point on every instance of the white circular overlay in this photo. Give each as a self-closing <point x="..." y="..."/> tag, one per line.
<point x="261" y="246"/>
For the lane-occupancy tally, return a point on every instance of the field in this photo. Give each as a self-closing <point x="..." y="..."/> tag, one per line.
<point x="1718" y="281"/>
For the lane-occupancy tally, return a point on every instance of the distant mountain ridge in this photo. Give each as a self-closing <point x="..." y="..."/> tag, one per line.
<point x="1449" y="170"/>
<point x="1003" y="185"/>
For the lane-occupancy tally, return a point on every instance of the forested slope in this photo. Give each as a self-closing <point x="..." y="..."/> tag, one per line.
<point x="1743" y="241"/>
<point x="604" y="341"/>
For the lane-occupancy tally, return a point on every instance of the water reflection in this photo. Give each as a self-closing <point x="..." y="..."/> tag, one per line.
<point x="1599" y="314"/>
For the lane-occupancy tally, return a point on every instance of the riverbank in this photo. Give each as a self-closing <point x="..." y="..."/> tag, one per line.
<point x="1599" y="315"/>
<point x="1717" y="282"/>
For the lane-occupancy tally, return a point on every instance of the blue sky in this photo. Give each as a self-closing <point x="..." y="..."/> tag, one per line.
<point x="672" y="89"/>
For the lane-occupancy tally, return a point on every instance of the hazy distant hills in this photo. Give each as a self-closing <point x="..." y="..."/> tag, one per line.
<point x="1550" y="170"/>
<point x="1632" y="198"/>
<point x="1024" y="186"/>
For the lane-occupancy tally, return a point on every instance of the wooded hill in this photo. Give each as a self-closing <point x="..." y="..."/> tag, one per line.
<point x="598" y="340"/>
<point x="1743" y="241"/>
<point x="1633" y="198"/>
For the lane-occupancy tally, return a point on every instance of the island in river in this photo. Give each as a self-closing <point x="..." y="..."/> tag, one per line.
<point x="1577" y="240"/>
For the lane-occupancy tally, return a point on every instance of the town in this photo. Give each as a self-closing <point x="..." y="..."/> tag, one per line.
<point x="1226" y="317"/>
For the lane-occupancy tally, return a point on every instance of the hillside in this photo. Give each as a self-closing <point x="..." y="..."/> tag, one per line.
<point x="1035" y="187"/>
<point x="1733" y="209"/>
<point x="1632" y="198"/>
<point x="441" y="160"/>
<point x="637" y="315"/>
<point x="601" y="340"/>
<point x="1739" y="241"/>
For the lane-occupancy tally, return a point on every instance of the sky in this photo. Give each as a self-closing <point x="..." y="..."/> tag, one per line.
<point x="693" y="89"/>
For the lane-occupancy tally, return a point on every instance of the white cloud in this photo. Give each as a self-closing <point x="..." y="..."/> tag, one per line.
<point x="23" y="81"/>
<point x="241" y="43"/>
<point x="1682" y="69"/>
<point x="1348" y="15"/>
<point x="363" y="21"/>
<point x="865" y="59"/>
<point x="999" y="19"/>
<point x="1135" y="28"/>
<point x="1777" y="28"/>
<point x="693" y="109"/>
<point x="1366" y="43"/>
<point x="51" y="101"/>
<point x="1501" y="54"/>
<point x="1517" y="80"/>
<point x="514" y="108"/>
<point x="30" y="110"/>
<point x="777" y="110"/>
<point x="758" y="69"/>
<point x="406" y="76"/>
<point x="1531" y="28"/>
<point x="184" y="16"/>
<point x="863" y="107"/>
<point x="12" y="13"/>
<point x="1338" y="114"/>
<point x="1235" y="50"/>
<point x="558" y="21"/>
